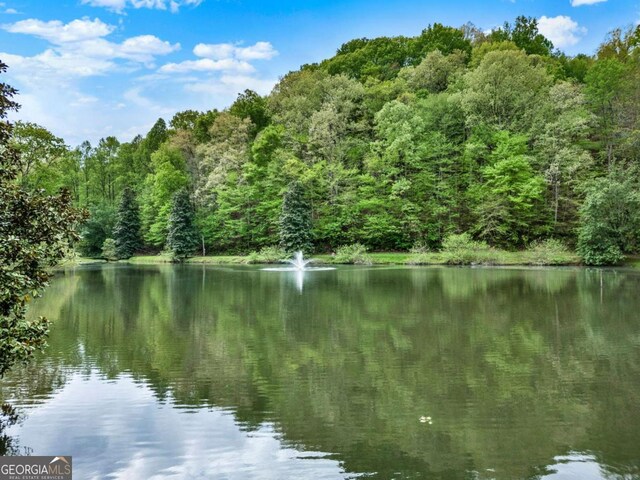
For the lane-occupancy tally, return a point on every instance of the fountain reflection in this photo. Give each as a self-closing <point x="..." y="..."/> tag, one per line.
<point x="298" y="268"/>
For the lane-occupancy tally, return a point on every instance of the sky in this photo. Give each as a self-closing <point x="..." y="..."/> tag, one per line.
<point x="87" y="69"/>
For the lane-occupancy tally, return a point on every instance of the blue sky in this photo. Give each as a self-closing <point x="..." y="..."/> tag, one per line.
<point x="91" y="68"/>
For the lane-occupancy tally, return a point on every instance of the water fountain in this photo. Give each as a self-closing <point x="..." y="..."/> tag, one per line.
<point x="298" y="260"/>
<point x="299" y="266"/>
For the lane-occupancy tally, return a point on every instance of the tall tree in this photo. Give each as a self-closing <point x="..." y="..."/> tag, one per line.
<point x="510" y="208"/>
<point x="610" y="220"/>
<point x="182" y="239"/>
<point x="295" y="220"/>
<point x="252" y="106"/>
<point x="35" y="232"/>
<point x="168" y="176"/>
<point x="127" y="229"/>
<point x="525" y="34"/>
<point x="505" y="91"/>
<point x="38" y="149"/>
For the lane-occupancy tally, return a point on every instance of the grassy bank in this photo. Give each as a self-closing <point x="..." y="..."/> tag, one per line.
<point x="77" y="261"/>
<point x="213" y="259"/>
<point x="500" y="258"/>
<point x="383" y="258"/>
<point x="457" y="250"/>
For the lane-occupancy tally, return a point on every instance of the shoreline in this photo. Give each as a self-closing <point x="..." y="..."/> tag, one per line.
<point x="383" y="258"/>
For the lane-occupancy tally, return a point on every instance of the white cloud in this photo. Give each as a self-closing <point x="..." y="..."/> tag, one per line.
<point x="79" y="49"/>
<point x="57" y="32"/>
<point x="146" y="45"/>
<point x="119" y="6"/>
<point x="562" y="30"/>
<point x="51" y="63"/>
<point x="115" y="5"/>
<point x="11" y="11"/>
<point x="52" y="83"/>
<point x="214" y="51"/>
<point x="259" y="51"/>
<point x="208" y="65"/>
<point x="82" y="85"/>
<point x="232" y="85"/>
<point x="577" y="3"/>
<point x="225" y="57"/>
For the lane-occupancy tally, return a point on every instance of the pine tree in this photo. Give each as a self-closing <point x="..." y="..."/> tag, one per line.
<point x="127" y="229"/>
<point x="183" y="235"/>
<point x="295" y="220"/>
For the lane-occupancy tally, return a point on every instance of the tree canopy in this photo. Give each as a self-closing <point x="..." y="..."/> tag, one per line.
<point x="35" y="232"/>
<point x="398" y="141"/>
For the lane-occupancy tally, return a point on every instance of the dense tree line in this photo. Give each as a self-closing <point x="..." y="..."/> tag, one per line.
<point x="392" y="142"/>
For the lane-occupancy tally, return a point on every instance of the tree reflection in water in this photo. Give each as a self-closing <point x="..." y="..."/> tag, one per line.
<point x="519" y="369"/>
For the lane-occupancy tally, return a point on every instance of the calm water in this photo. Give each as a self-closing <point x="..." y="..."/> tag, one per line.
<point x="236" y="373"/>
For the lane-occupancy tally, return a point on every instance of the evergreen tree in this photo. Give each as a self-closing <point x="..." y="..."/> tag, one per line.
<point x="183" y="236"/>
<point x="295" y="220"/>
<point x="127" y="230"/>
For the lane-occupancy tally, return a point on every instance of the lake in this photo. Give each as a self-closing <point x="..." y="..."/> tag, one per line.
<point x="196" y="371"/>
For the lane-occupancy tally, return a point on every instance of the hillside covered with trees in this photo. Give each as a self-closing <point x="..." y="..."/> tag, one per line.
<point x="394" y="143"/>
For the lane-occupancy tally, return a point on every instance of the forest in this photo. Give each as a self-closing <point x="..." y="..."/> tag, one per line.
<point x="394" y="143"/>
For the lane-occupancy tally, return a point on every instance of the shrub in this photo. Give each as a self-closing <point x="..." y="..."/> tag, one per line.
<point x="596" y="248"/>
<point x="423" y="258"/>
<point x="419" y="247"/>
<point x="549" y="252"/>
<point x="268" y="255"/>
<point x="109" y="250"/>
<point x="355" y="254"/>
<point x="461" y="249"/>
<point x="609" y="220"/>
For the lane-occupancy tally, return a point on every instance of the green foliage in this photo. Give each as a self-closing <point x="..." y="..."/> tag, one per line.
<point x="420" y="247"/>
<point x="549" y="252"/>
<point x="510" y="209"/>
<point x="461" y="249"/>
<point x="39" y="150"/>
<point x="156" y="136"/>
<point x="35" y="232"/>
<point x="252" y="106"/>
<point x="95" y="230"/>
<point x="395" y="139"/>
<point x="442" y="38"/>
<point x="182" y="238"/>
<point x="610" y="221"/>
<point x="480" y="51"/>
<point x="423" y="258"/>
<point x="621" y="44"/>
<point x="168" y="176"/>
<point x="382" y="58"/>
<point x="505" y="91"/>
<point x="379" y="58"/>
<point x="127" y="228"/>
<point x="525" y="35"/>
<point x="185" y="120"/>
<point x="268" y="255"/>
<point x="295" y="220"/>
<point x="435" y="72"/>
<point x="202" y="125"/>
<point x="109" y="251"/>
<point x="355" y="254"/>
